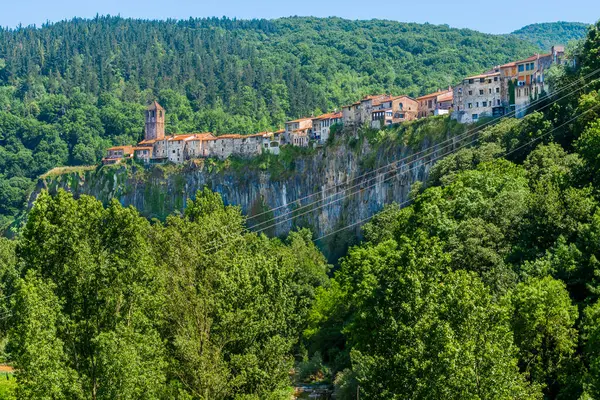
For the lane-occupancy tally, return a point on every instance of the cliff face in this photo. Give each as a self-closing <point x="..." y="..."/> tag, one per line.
<point x="326" y="189"/>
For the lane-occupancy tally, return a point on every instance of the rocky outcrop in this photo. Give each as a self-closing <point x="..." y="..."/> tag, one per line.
<point x="327" y="189"/>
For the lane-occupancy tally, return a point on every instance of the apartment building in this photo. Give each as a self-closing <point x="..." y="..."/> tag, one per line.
<point x="478" y="96"/>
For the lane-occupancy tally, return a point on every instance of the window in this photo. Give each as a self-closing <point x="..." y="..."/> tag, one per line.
<point x="470" y="92"/>
<point x="521" y="68"/>
<point x="471" y="80"/>
<point x="475" y="117"/>
<point x="527" y="67"/>
<point x="481" y="80"/>
<point x="484" y="104"/>
<point x="490" y="90"/>
<point x="497" y="90"/>
<point x="470" y="105"/>
<point x="476" y="104"/>
<point x="429" y="104"/>
<point x="498" y="101"/>
<point x="495" y="79"/>
<point x="490" y="80"/>
<point x="480" y="91"/>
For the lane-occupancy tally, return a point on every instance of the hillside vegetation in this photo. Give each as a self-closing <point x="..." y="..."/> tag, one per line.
<point x="545" y="35"/>
<point x="71" y="89"/>
<point x="487" y="286"/>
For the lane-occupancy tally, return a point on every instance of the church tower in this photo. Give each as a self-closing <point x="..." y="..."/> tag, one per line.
<point x="155" y="122"/>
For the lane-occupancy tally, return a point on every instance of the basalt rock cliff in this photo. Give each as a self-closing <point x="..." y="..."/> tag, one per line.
<point x="332" y="190"/>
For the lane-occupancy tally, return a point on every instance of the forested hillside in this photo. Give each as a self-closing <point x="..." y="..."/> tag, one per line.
<point x="71" y="89"/>
<point x="485" y="286"/>
<point x="547" y="34"/>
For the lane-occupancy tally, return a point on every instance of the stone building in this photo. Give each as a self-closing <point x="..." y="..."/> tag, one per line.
<point x="116" y="154"/>
<point x="478" y="96"/>
<point x="158" y="148"/>
<point x="239" y="145"/>
<point x="143" y="153"/>
<point x="155" y="122"/>
<point x="520" y="83"/>
<point x="322" y="124"/>
<point x="437" y="103"/>
<point x="298" y="131"/>
<point x="380" y="110"/>
<point x="392" y="110"/>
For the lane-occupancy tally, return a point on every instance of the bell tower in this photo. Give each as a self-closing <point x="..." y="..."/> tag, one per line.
<point x="155" y="122"/>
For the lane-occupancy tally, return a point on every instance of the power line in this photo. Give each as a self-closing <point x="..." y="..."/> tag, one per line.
<point x="451" y="141"/>
<point x="413" y="161"/>
<point x="474" y="129"/>
<point x="506" y="154"/>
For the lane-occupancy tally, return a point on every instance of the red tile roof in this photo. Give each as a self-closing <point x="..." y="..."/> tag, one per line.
<point x="434" y="94"/>
<point x="445" y="97"/>
<point x="299" y="120"/>
<point x="332" y="115"/>
<point x="533" y="58"/>
<point x="120" y="148"/>
<point x="178" y="138"/>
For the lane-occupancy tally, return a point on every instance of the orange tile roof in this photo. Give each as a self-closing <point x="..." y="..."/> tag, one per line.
<point x="331" y="115"/>
<point x="445" y="97"/>
<point x="149" y="141"/>
<point x="434" y="94"/>
<point x="229" y="136"/>
<point x="120" y="148"/>
<point x="533" y="58"/>
<point x="201" y="136"/>
<point x="298" y="120"/>
<point x="401" y="96"/>
<point x="177" y="138"/>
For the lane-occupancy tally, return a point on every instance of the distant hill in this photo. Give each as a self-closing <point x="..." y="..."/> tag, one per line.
<point x="71" y="89"/>
<point x="547" y="34"/>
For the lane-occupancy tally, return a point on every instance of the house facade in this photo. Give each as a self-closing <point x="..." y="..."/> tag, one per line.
<point x="437" y="103"/>
<point x="520" y="83"/>
<point x="477" y="97"/>
<point x="380" y="110"/>
<point x="297" y="132"/>
<point x="322" y="124"/>
<point x="116" y="154"/>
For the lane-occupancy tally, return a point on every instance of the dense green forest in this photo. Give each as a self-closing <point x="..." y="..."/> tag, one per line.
<point x="486" y="286"/>
<point x="546" y="35"/>
<point x="69" y="90"/>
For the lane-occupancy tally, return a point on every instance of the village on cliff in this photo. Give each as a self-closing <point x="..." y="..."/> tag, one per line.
<point x="504" y="89"/>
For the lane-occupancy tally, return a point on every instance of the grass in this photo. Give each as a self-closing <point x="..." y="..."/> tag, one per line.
<point x="8" y="386"/>
<point x="66" y="170"/>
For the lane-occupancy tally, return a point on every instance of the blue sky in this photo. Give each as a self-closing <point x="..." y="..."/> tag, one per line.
<point x="500" y="16"/>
